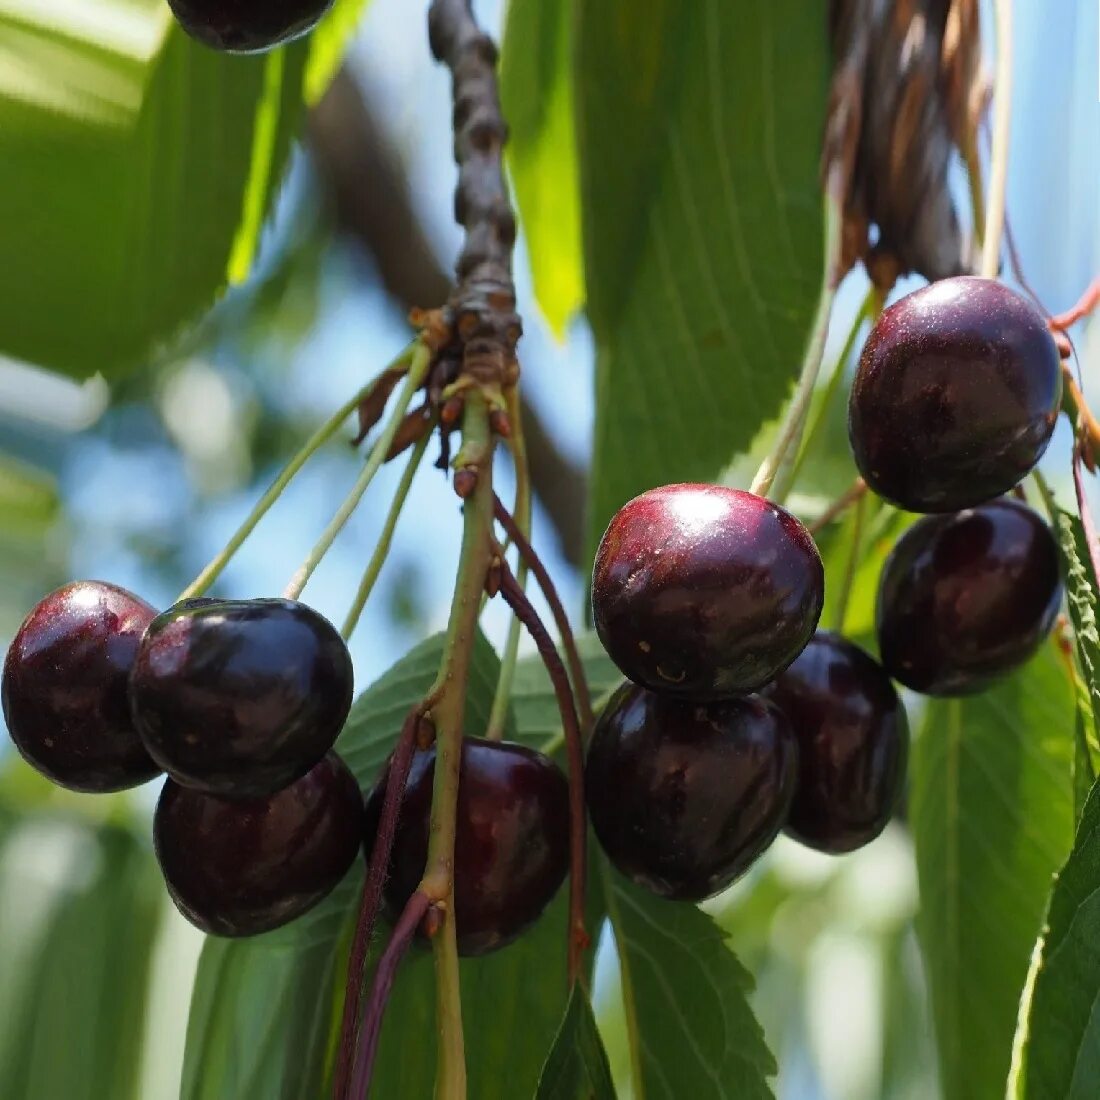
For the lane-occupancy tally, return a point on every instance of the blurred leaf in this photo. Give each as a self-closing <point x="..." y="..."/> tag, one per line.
<point x="699" y="134"/>
<point x="138" y="169"/>
<point x="536" y="89"/>
<point x="1057" y="1055"/>
<point x="577" y="1068"/>
<point x="79" y="909"/>
<point x="28" y="499"/>
<point x="265" y="1012"/>
<point x="692" y="1032"/>
<point x="328" y="43"/>
<point x="992" y="818"/>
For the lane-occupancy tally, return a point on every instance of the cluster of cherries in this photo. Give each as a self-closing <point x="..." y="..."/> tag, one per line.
<point x="741" y="719"/>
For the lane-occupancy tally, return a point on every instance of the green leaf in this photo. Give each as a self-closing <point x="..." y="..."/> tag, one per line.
<point x="577" y="1068"/>
<point x="138" y="169"/>
<point x="80" y="911"/>
<point x="1057" y="1055"/>
<point x="536" y="89"/>
<point x="327" y="45"/>
<point x="265" y="1012"/>
<point x="992" y="819"/>
<point x="692" y="1031"/>
<point x="699" y="135"/>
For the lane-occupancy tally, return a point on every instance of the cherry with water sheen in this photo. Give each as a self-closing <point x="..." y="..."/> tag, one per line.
<point x="705" y="592"/>
<point x="64" y="687"/>
<point x="685" y="796"/>
<point x="241" y="867"/>
<point x="956" y="395"/>
<point x="240" y="697"/>
<point x="853" y="743"/>
<point x="511" y="843"/>
<point x="966" y="597"/>
<point x="247" y="26"/>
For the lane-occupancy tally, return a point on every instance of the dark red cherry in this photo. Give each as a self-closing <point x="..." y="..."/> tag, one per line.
<point x="966" y="597"/>
<point x="853" y="742"/>
<point x="955" y="397"/>
<point x="240" y="697"/>
<point x="511" y="844"/>
<point x="64" y="688"/>
<point x="705" y="592"/>
<point x="685" y="796"/>
<point x="247" y="26"/>
<point x="240" y="867"/>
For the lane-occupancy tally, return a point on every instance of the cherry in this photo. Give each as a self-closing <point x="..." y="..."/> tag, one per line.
<point x="685" y="796"/>
<point x="64" y="687"/>
<point x="853" y="741"/>
<point x="705" y="592"/>
<point x="511" y="844"/>
<point x="247" y="26"/>
<point x="240" y="697"/>
<point x="966" y="597"/>
<point x="955" y="397"/>
<point x="240" y="867"/>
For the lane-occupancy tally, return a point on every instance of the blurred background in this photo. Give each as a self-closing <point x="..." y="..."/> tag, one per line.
<point x="142" y="482"/>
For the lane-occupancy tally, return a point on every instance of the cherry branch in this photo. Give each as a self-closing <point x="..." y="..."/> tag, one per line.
<point x="561" y="620"/>
<point x="525" y="612"/>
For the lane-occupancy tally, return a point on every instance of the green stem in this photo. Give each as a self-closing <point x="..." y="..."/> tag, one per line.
<point x="794" y="421"/>
<point x="1002" y="126"/>
<point x="848" y="580"/>
<point x="418" y="368"/>
<point x="498" y="716"/>
<point x="385" y="541"/>
<point x="868" y="309"/>
<point x="315" y="442"/>
<point x="448" y="716"/>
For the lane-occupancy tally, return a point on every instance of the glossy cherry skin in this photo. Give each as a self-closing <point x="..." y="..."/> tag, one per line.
<point x="956" y="395"/>
<point x="64" y="687"/>
<point x="967" y="597"/>
<point x="685" y="796"/>
<point x="511" y="844"/>
<point x="705" y="592"/>
<point x="240" y="867"/>
<point x="853" y="743"/>
<point x="247" y="26"/>
<point x="240" y="697"/>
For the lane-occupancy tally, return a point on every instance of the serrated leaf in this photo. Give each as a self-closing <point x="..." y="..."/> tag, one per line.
<point x="79" y="910"/>
<point x="328" y="43"/>
<point x="691" y="1029"/>
<point x="699" y="136"/>
<point x="992" y="818"/>
<point x="536" y="88"/>
<point x="138" y="169"/>
<point x="265" y="1011"/>
<point x="1057" y="1054"/>
<point x="577" y="1067"/>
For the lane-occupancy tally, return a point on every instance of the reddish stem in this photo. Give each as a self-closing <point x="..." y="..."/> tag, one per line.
<point x="839" y="506"/>
<point x="414" y="912"/>
<point x="371" y="898"/>
<point x="525" y="612"/>
<point x="1087" y="303"/>
<point x="568" y="641"/>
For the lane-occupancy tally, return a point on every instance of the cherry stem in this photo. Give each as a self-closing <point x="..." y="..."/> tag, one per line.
<point x="1002" y="126"/>
<point x="777" y="465"/>
<point x="320" y="437"/>
<point x="415" y="909"/>
<point x="1092" y="539"/>
<point x="385" y="541"/>
<point x="561" y="620"/>
<point x="1087" y="303"/>
<point x="498" y="715"/>
<point x="371" y="898"/>
<point x="555" y="668"/>
<point x="1088" y="429"/>
<point x="418" y="369"/>
<point x="850" y="496"/>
